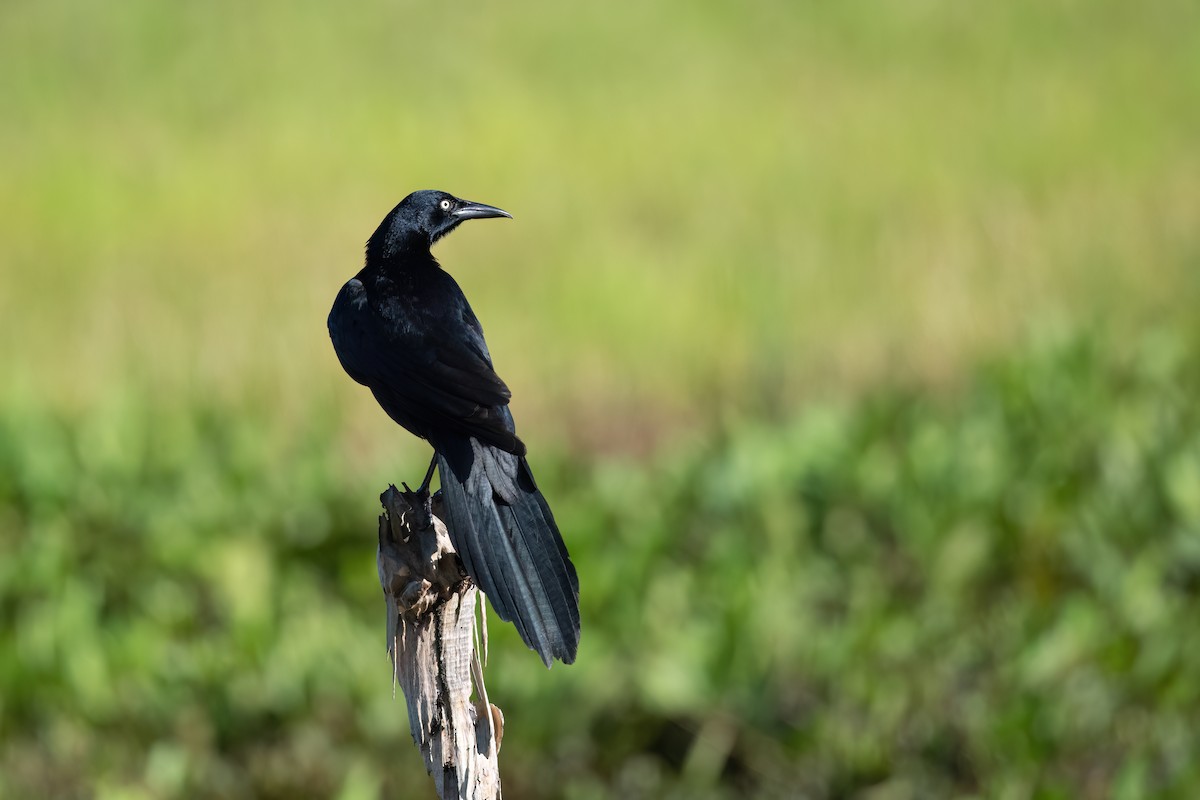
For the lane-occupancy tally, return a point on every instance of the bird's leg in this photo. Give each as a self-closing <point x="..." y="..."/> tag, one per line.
<point x="428" y="475"/>
<point x="423" y="491"/>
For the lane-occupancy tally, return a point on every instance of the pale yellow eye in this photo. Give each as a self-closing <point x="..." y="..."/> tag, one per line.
<point x="445" y="204"/>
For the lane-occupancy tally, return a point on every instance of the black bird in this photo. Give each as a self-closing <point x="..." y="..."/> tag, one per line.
<point x="402" y="328"/>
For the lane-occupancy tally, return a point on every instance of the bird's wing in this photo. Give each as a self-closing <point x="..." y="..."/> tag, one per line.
<point x="429" y="378"/>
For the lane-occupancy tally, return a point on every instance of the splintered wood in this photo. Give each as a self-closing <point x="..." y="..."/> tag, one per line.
<point x="432" y="643"/>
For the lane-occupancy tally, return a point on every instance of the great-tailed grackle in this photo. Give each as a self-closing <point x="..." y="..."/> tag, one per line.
<point x="403" y="328"/>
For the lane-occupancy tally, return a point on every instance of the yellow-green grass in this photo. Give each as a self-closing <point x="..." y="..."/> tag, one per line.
<point x="719" y="209"/>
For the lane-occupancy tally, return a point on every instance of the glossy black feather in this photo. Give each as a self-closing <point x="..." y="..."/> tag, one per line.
<point x="403" y="328"/>
<point x="506" y="535"/>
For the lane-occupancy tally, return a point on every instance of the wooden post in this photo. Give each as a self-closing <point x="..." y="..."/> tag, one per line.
<point x="432" y="640"/>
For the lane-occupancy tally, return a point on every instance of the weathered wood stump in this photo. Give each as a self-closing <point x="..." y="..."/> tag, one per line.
<point x="432" y="642"/>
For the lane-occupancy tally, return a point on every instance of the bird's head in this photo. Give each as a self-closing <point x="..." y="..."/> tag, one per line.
<point x="421" y="219"/>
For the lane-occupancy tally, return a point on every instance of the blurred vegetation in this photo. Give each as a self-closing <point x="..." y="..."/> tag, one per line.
<point x="719" y="207"/>
<point x="984" y="595"/>
<point x="826" y="324"/>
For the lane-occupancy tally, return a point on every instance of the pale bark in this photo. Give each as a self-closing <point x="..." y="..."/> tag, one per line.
<point x="432" y="637"/>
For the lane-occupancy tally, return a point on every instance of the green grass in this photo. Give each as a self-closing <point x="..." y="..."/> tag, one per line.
<point x="989" y="595"/>
<point x="836" y="304"/>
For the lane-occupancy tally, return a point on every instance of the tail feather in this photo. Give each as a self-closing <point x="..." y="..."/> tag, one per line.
<point x="510" y="545"/>
<point x="556" y="583"/>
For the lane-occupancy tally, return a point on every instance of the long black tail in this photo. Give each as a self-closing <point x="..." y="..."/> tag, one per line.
<point x="505" y="534"/>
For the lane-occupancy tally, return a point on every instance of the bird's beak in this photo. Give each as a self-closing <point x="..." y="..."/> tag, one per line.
<point x="479" y="211"/>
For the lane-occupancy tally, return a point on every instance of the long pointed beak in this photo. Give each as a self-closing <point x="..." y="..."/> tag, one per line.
<point x="479" y="211"/>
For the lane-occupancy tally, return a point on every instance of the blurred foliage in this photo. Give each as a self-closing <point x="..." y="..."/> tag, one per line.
<point x="983" y="594"/>
<point x="741" y="230"/>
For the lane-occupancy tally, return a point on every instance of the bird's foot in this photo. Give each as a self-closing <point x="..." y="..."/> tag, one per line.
<point x="421" y="495"/>
<point x="419" y="501"/>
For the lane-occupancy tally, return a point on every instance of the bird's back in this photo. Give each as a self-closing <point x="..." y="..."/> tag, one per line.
<point x="408" y="333"/>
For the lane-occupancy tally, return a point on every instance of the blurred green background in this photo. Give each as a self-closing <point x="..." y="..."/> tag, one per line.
<point x="854" y="344"/>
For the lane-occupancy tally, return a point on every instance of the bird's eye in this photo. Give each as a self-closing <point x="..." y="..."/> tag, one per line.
<point x="445" y="204"/>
